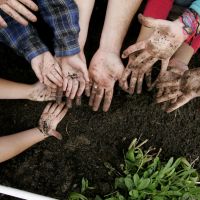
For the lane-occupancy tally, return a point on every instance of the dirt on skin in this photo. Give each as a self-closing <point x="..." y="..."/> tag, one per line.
<point x="54" y="168"/>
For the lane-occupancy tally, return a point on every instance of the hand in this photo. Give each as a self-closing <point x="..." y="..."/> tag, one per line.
<point x="75" y="74"/>
<point x="47" y="70"/>
<point x="105" y="69"/>
<point x="18" y="10"/>
<point x="40" y="92"/>
<point x="161" y="45"/>
<point x="50" y="118"/>
<point x="189" y="88"/>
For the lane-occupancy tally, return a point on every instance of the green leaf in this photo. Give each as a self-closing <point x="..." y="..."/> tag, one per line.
<point x="130" y="155"/>
<point x="134" y="194"/>
<point x="144" y="183"/>
<point x="136" y="179"/>
<point x="129" y="183"/>
<point x="120" y="183"/>
<point x="84" y="185"/>
<point x="98" y="198"/>
<point x="76" y="196"/>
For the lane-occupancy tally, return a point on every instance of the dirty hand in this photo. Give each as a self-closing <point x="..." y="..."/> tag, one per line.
<point x="189" y="88"/>
<point x="105" y="69"/>
<point x="18" y="10"/>
<point x="75" y="76"/>
<point x="41" y="92"/>
<point x="47" y="70"/>
<point x="161" y="45"/>
<point x="50" y="118"/>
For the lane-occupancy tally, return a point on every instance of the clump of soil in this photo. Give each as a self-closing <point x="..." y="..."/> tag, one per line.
<point x="52" y="167"/>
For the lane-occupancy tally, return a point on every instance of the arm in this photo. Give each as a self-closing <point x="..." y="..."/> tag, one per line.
<point x="13" y="145"/>
<point x="106" y="66"/>
<point x="35" y="92"/>
<point x="85" y="11"/>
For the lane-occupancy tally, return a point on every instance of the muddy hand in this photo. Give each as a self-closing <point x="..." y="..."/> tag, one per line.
<point x="59" y="95"/>
<point x="161" y="45"/>
<point x="18" y="10"/>
<point x="50" y="118"/>
<point x="47" y="70"/>
<point x="189" y="85"/>
<point x="105" y="69"/>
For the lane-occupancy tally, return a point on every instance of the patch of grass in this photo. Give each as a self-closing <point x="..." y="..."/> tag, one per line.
<point x="146" y="177"/>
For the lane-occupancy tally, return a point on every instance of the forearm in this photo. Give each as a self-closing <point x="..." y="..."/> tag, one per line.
<point x="85" y="11"/>
<point x="118" y="17"/>
<point x="184" y="53"/>
<point x="13" y="90"/>
<point x="13" y="145"/>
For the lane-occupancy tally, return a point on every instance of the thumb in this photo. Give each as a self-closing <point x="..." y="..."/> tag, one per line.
<point x="56" y="134"/>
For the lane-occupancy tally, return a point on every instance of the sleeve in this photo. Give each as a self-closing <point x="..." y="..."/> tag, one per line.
<point x="196" y="6"/>
<point x="158" y="9"/>
<point x="63" y="17"/>
<point x="24" y="40"/>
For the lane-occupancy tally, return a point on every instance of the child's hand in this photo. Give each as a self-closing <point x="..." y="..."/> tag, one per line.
<point x="47" y="70"/>
<point x="189" y="88"/>
<point x="18" y="10"/>
<point x="50" y="118"/>
<point x="41" y="92"/>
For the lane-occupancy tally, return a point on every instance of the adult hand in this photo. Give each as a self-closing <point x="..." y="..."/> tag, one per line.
<point x="18" y="10"/>
<point x="47" y="70"/>
<point x="166" y="38"/>
<point x="50" y="118"/>
<point x="189" y="88"/>
<point x="41" y="92"/>
<point x="75" y="76"/>
<point x="105" y="69"/>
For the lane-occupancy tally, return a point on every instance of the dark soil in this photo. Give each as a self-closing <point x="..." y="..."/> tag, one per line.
<point x="52" y="167"/>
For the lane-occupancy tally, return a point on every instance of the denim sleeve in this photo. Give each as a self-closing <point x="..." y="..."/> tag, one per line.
<point x="63" y="17"/>
<point x="24" y="40"/>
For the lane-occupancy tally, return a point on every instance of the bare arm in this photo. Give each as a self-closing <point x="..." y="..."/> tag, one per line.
<point x="85" y="11"/>
<point x="118" y="17"/>
<point x="13" y="145"/>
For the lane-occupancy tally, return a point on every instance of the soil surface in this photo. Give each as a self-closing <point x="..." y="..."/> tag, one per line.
<point x="54" y="168"/>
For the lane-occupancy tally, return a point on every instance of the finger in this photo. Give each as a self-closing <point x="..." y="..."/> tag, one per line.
<point x="133" y="81"/>
<point x="148" y="78"/>
<point x="74" y="90"/>
<point x="59" y="95"/>
<point x="140" y="82"/>
<point x="98" y="98"/>
<point x="30" y="4"/>
<point x="58" y="69"/>
<point x="57" y="76"/>
<point x="140" y="58"/>
<point x="49" y="83"/>
<point x="174" y="83"/>
<point x="87" y="89"/>
<point x="69" y="103"/>
<point x="124" y="79"/>
<point x="133" y="48"/>
<point x="160" y="92"/>
<point x="107" y="100"/>
<point x="93" y="93"/>
<point x="38" y="73"/>
<point x="52" y="78"/>
<point x="58" y="109"/>
<point x="65" y="83"/>
<point x="22" y="10"/>
<point x="53" y="108"/>
<point x="3" y="24"/>
<point x="78" y="100"/>
<point x="48" y="106"/>
<point x="12" y="13"/>
<point x="81" y="88"/>
<point x="168" y="97"/>
<point x="69" y="87"/>
<point x="61" y="115"/>
<point x="150" y="22"/>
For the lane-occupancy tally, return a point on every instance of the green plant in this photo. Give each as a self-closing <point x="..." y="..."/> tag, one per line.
<point x="146" y="177"/>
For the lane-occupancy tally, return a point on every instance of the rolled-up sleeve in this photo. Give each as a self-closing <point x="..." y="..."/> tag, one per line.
<point x="63" y="17"/>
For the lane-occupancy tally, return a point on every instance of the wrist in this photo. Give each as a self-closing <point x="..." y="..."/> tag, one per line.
<point x="40" y="134"/>
<point x="109" y="49"/>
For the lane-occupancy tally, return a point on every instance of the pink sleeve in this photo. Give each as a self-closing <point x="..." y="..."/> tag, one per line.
<point x="196" y="43"/>
<point x="158" y="9"/>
